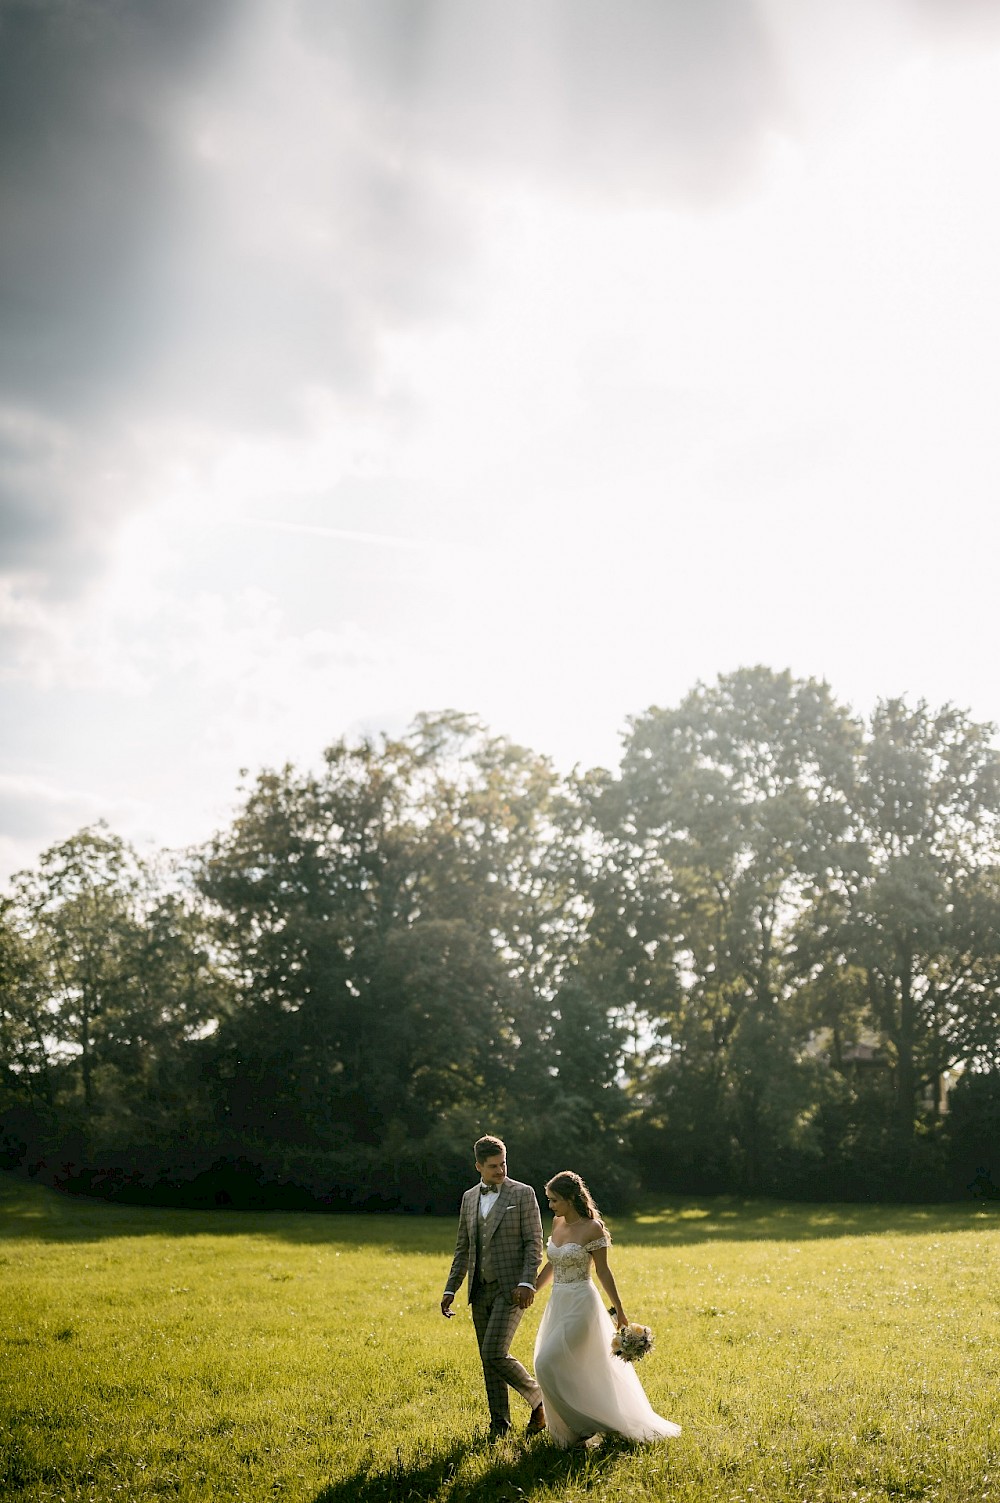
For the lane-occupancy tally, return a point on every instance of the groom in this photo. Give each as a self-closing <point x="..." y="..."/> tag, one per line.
<point x="500" y="1244"/>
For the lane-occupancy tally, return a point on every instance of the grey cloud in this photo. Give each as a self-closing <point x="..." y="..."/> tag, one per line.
<point x="656" y="98"/>
<point x="89" y="186"/>
<point x="28" y="518"/>
<point x="31" y="810"/>
<point x="208" y="208"/>
<point x="124" y="279"/>
<point x="87" y="182"/>
<point x="46" y="532"/>
<point x="143" y="273"/>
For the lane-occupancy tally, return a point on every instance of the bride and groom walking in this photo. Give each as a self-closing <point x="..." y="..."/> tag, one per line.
<point x="579" y="1388"/>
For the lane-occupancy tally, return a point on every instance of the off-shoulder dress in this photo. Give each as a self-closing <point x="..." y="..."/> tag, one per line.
<point x="587" y="1391"/>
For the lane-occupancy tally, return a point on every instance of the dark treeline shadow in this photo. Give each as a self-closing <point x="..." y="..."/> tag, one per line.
<point x="35" y="1212"/>
<point x="511" y="1472"/>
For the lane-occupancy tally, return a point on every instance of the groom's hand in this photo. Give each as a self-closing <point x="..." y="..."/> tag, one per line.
<point x="446" y="1303"/>
<point x="523" y="1296"/>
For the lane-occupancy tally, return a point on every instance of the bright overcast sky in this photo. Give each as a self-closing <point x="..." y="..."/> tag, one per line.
<point x="537" y="359"/>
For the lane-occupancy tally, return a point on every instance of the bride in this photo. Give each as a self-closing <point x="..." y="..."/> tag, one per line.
<point x="586" y="1390"/>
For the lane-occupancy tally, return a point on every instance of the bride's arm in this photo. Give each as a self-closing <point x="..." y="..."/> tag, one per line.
<point x="544" y="1277"/>
<point x="607" y="1281"/>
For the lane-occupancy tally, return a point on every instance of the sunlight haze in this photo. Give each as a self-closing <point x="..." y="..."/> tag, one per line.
<point x="535" y="360"/>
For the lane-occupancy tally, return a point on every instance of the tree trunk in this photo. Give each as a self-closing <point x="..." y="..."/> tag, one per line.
<point x="906" y="1075"/>
<point x="85" y="1060"/>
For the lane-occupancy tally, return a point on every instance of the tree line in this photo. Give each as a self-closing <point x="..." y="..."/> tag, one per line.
<point x="761" y="956"/>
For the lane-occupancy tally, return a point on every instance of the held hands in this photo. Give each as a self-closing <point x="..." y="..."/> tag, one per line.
<point x="522" y="1297"/>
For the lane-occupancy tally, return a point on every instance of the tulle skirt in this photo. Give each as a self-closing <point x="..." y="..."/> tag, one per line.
<point x="586" y="1390"/>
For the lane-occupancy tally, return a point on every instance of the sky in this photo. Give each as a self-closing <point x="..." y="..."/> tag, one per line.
<point x="539" y="360"/>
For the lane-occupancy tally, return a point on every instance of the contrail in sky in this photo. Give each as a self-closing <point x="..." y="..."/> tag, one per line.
<point x="314" y="530"/>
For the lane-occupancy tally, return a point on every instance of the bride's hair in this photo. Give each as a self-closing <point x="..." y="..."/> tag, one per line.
<point x="572" y="1188"/>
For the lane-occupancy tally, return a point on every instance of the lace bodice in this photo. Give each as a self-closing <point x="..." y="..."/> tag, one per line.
<point x="571" y="1261"/>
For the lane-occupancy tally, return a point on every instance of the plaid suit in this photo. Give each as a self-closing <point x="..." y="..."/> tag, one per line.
<point x="507" y="1245"/>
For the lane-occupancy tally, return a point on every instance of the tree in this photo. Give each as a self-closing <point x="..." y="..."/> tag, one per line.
<point x="916" y="906"/>
<point x="108" y="974"/>
<point x="727" y="814"/>
<point x="26" y="1083"/>
<point x="83" y="907"/>
<point x="398" y="926"/>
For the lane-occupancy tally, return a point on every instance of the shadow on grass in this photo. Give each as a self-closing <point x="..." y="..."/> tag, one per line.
<point x="508" y="1471"/>
<point x="29" y="1211"/>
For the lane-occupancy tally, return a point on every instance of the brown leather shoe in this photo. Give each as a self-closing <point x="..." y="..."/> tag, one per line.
<point x="536" y="1424"/>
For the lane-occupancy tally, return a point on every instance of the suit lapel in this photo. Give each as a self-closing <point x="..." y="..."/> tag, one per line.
<point x="504" y="1199"/>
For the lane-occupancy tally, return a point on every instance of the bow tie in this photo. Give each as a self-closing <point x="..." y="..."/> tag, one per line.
<point x="489" y="1189"/>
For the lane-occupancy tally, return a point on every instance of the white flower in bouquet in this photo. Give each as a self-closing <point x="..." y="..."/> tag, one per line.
<point x="632" y="1342"/>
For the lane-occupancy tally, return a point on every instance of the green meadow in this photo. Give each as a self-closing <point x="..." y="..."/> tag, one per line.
<point x="810" y="1352"/>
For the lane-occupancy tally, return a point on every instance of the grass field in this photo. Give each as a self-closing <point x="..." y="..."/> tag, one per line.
<point x="811" y="1353"/>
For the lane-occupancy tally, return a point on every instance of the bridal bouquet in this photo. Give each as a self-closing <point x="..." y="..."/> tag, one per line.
<point x="632" y="1342"/>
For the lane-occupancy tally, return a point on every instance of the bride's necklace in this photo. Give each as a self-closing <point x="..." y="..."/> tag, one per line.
<point x="570" y="1241"/>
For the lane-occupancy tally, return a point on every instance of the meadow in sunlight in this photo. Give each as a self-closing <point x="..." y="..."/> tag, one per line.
<point x="811" y="1353"/>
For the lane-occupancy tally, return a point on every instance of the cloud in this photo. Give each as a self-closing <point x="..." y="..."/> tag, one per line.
<point x="970" y="21"/>
<point x="225" y="653"/>
<point x="32" y="807"/>
<point x="215" y="219"/>
<point x="200" y="230"/>
<point x="339" y="534"/>
<point x="32" y="482"/>
<point x="197" y="210"/>
<point x="140" y="706"/>
<point x="36" y="812"/>
<point x="61" y="495"/>
<point x="89" y="186"/>
<point x="641" y="97"/>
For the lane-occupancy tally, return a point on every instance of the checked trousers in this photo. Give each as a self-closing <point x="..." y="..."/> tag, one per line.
<point x="496" y="1321"/>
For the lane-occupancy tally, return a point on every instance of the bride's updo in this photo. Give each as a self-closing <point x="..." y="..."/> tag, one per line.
<point x="570" y="1186"/>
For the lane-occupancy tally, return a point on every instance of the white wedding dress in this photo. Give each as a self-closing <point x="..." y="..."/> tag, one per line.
<point x="586" y="1390"/>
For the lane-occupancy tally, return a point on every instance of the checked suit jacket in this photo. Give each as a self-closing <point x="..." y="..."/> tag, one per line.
<point x="512" y="1232"/>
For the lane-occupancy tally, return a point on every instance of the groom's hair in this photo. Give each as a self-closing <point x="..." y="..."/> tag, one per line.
<point x="488" y="1148"/>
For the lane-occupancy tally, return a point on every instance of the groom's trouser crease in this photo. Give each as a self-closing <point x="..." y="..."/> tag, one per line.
<point x="496" y="1320"/>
